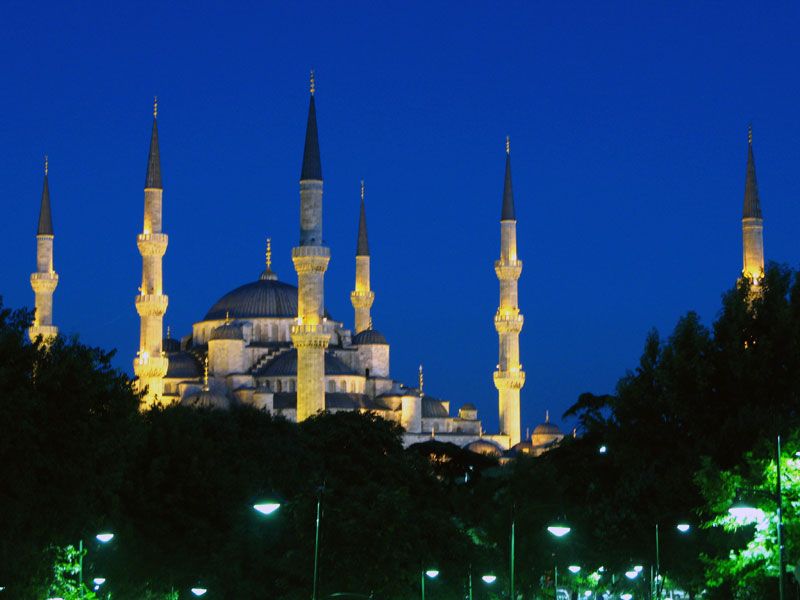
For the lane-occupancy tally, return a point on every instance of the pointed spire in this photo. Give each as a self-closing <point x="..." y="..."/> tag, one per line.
<point x="312" y="167"/>
<point x="508" y="213"/>
<point x="362" y="246"/>
<point x="752" y="204"/>
<point x="421" y="382"/>
<point x="153" y="177"/>
<point x="45" y="217"/>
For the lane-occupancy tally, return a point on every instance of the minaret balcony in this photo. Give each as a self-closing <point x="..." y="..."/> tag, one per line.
<point x="47" y="332"/>
<point x="362" y="299"/>
<point x="509" y="380"/>
<point x="44" y="282"/>
<point x="149" y="367"/>
<point x="310" y="259"/>
<point x="151" y="305"/>
<point x="311" y="336"/>
<point x="508" y="269"/>
<point x="152" y="244"/>
<point x="508" y="321"/>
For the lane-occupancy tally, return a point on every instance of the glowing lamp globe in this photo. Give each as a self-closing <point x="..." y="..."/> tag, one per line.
<point x="626" y="596"/>
<point x="199" y="591"/>
<point x="99" y="580"/>
<point x="559" y="530"/>
<point x="104" y="537"/>
<point x="432" y="573"/>
<point x="683" y="527"/>
<point x="574" y="569"/>
<point x="490" y="579"/>
<point x="266" y="508"/>
<point x="744" y="513"/>
<point x="631" y="574"/>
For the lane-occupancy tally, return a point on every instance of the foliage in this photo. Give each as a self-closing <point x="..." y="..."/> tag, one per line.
<point x="66" y="582"/>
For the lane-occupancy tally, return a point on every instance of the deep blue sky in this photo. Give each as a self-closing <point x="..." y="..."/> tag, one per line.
<point x="628" y="128"/>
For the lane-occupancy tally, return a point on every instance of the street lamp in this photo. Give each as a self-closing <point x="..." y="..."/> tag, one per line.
<point x="574" y="569"/>
<point x="198" y="591"/>
<point x="559" y="529"/>
<point x="103" y="538"/>
<point x="489" y="579"/>
<point x="746" y="513"/>
<point x="683" y="528"/>
<point x="432" y="573"/>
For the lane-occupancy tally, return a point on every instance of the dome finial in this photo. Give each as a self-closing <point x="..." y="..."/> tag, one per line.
<point x="169" y="336"/>
<point x="546" y="416"/>
<point x="421" y="381"/>
<point x="269" y="254"/>
<point x="205" y="374"/>
<point x="227" y="317"/>
<point x="370" y="323"/>
<point x="508" y="144"/>
<point x="155" y="107"/>
<point x="46" y="165"/>
<point x="750" y="134"/>
<point x="313" y="85"/>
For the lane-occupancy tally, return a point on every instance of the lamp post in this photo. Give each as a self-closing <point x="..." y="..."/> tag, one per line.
<point x="656" y="588"/>
<point x="103" y="538"/>
<point x="744" y="511"/>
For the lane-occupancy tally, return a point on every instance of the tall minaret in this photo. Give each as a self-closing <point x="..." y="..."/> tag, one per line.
<point x="311" y="333"/>
<point x="150" y="364"/>
<point x="362" y="297"/>
<point x="509" y="376"/>
<point x="752" y="222"/>
<point x="45" y="279"/>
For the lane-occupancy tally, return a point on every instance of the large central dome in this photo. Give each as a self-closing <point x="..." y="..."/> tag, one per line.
<point x="265" y="298"/>
<point x="262" y="299"/>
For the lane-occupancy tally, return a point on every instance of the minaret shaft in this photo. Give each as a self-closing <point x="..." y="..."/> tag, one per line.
<point x="509" y="376"/>
<point x="311" y="334"/>
<point x="150" y="364"/>
<point x="362" y="296"/>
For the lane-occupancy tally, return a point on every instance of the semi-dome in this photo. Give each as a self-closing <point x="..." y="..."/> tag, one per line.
<point x="228" y="331"/>
<point x="369" y="336"/>
<point x="182" y="365"/>
<point x="207" y="399"/>
<point x="285" y="365"/>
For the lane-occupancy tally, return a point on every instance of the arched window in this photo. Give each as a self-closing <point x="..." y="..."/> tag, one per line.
<point x="342" y="386"/>
<point x="278" y="386"/>
<point x="331" y="385"/>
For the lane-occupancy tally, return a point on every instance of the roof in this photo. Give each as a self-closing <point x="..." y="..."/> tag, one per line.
<point x="268" y="298"/>
<point x="45" y="217"/>
<point x="207" y="399"/>
<point x="752" y="203"/>
<point x="312" y="166"/>
<point x="508" y="213"/>
<point x="362" y="245"/>
<point x="228" y="331"/>
<point x="547" y="428"/>
<point x="182" y="365"/>
<point x="285" y="365"/>
<point x="369" y="336"/>
<point x="153" y="177"/>
<point x="333" y="400"/>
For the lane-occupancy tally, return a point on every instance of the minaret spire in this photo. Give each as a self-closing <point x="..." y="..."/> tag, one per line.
<point x="311" y="333"/>
<point x="752" y="221"/>
<point x="45" y="280"/>
<point x="268" y="272"/>
<point x="150" y="364"/>
<point x="362" y="296"/>
<point x="509" y="376"/>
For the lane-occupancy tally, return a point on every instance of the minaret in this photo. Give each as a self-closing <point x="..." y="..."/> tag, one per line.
<point x="45" y="279"/>
<point x="311" y="333"/>
<point x="362" y="297"/>
<point x="752" y="222"/>
<point x="509" y="377"/>
<point x="150" y="364"/>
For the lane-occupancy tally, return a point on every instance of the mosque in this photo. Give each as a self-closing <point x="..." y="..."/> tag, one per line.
<point x="272" y="345"/>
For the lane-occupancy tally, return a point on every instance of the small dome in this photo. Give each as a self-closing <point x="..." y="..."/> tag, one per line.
<point x="207" y="399"/>
<point x="484" y="447"/>
<point x="469" y="406"/>
<point x="369" y="336"/>
<point x="547" y="428"/>
<point x="182" y="365"/>
<point x="228" y="331"/>
<point x="285" y="365"/>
